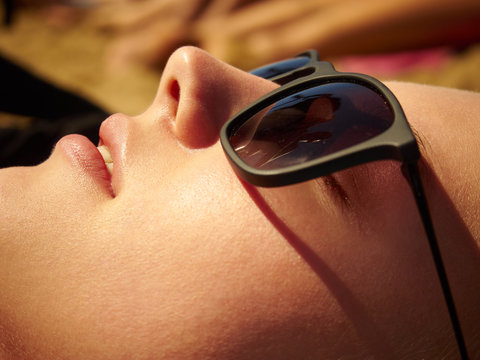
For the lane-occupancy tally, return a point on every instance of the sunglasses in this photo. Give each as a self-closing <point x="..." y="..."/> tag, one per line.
<point x="320" y="121"/>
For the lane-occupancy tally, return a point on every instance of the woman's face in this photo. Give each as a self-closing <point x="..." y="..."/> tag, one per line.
<point x="175" y="257"/>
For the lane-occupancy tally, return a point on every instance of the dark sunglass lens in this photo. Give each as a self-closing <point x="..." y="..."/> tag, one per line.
<point x="310" y="124"/>
<point x="281" y="67"/>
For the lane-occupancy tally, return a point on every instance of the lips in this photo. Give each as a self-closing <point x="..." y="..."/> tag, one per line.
<point x="103" y="163"/>
<point x="85" y="157"/>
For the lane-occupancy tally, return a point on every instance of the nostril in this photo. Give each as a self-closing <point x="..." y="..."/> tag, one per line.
<point x="175" y="90"/>
<point x="173" y="93"/>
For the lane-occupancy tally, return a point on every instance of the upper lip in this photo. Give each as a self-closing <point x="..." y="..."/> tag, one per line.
<point x="113" y="134"/>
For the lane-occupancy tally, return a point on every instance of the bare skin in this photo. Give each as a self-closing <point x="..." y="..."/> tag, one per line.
<point x="177" y="258"/>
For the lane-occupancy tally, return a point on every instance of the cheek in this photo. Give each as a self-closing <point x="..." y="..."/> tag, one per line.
<point x="372" y="256"/>
<point x="211" y="274"/>
<point x="191" y="268"/>
<point x="41" y="248"/>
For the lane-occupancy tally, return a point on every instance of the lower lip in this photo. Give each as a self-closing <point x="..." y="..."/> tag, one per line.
<point x="84" y="155"/>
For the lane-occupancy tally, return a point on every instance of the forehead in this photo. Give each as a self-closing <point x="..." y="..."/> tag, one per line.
<point x="445" y="122"/>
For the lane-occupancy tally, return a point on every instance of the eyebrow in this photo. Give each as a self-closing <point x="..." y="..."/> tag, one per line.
<point x="425" y="151"/>
<point x="419" y="137"/>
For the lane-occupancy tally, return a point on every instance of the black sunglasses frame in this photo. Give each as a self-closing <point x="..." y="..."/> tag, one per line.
<point x="396" y="143"/>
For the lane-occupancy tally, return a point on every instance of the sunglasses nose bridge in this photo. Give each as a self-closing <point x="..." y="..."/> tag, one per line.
<point x="323" y="67"/>
<point x="320" y="68"/>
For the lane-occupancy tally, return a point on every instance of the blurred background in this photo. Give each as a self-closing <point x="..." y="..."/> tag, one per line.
<point x="66" y="64"/>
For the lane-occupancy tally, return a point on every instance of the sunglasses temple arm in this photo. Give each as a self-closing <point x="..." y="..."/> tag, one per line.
<point x="411" y="172"/>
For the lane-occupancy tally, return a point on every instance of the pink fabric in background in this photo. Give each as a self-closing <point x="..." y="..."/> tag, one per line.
<point x="395" y="63"/>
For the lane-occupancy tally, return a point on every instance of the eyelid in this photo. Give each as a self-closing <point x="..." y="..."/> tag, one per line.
<point x="330" y="181"/>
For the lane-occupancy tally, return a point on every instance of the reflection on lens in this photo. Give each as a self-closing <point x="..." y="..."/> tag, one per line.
<point x="281" y="67"/>
<point x="310" y="124"/>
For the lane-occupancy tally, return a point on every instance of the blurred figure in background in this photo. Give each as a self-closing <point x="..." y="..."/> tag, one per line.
<point x="248" y="33"/>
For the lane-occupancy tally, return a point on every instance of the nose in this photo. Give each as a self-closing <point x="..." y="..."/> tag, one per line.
<point x="199" y="93"/>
